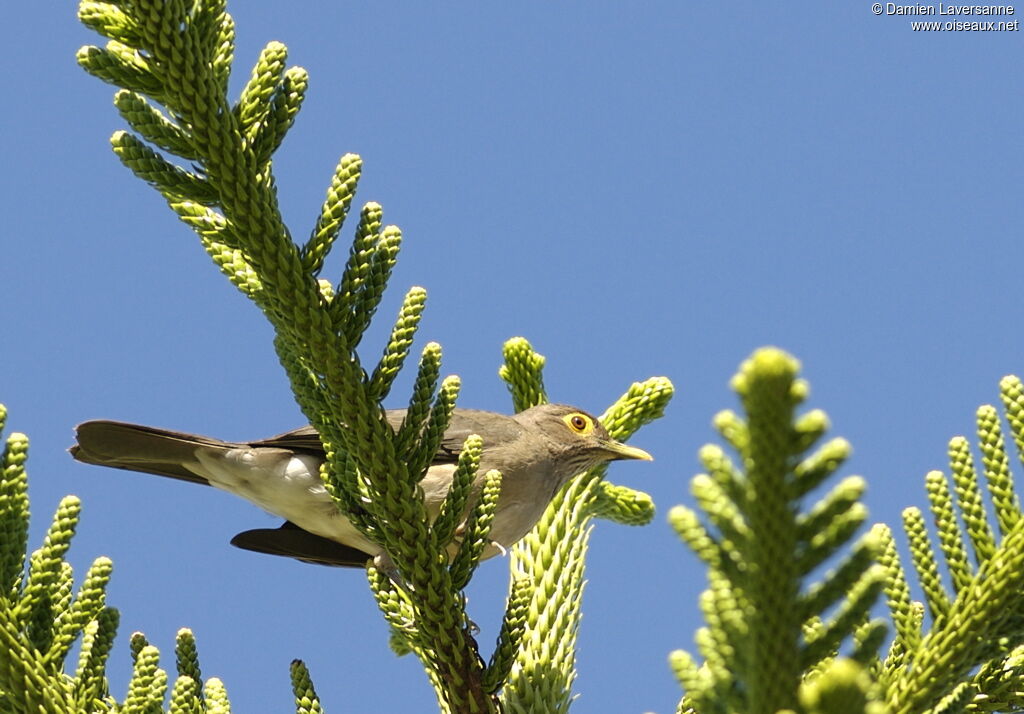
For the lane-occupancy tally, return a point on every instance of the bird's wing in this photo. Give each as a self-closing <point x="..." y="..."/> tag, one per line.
<point x="291" y="541"/>
<point x="495" y="428"/>
<point x="304" y="439"/>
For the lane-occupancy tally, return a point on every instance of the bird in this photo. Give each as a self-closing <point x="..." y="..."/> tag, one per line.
<point x="537" y="451"/>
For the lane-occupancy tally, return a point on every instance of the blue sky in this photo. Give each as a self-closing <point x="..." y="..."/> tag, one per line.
<point x="639" y="189"/>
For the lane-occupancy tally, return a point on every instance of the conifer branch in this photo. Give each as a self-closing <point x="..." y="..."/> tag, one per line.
<point x="172" y="60"/>
<point x="951" y="537"/>
<point x="551" y="555"/>
<point x="980" y="629"/>
<point x="761" y="548"/>
<point x="177" y="56"/>
<point x="306" y="700"/>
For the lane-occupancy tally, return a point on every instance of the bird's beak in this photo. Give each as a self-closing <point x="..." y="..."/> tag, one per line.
<point x="618" y="450"/>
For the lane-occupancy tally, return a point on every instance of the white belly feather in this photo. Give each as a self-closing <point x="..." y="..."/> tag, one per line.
<point x="288" y="485"/>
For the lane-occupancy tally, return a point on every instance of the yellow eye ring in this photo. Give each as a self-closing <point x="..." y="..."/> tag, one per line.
<point x="579" y="423"/>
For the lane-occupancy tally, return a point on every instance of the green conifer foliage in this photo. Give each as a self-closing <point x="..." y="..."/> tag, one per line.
<point x="551" y="557"/>
<point x="781" y="635"/>
<point x="42" y="616"/>
<point x="773" y="636"/>
<point x="210" y="158"/>
<point x="773" y="625"/>
<point x="961" y="649"/>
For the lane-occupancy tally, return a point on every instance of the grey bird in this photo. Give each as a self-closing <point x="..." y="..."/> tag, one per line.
<point x="537" y="451"/>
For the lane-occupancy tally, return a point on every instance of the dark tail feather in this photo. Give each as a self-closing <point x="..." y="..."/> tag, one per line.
<point x="140" y="448"/>
<point x="291" y="541"/>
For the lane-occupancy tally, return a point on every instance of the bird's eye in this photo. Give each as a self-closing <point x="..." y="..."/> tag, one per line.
<point x="580" y="423"/>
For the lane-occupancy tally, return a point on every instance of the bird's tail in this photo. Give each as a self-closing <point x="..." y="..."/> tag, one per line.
<point x="141" y="448"/>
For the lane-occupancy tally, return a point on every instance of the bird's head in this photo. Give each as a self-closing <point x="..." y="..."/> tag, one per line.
<point x="577" y="438"/>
